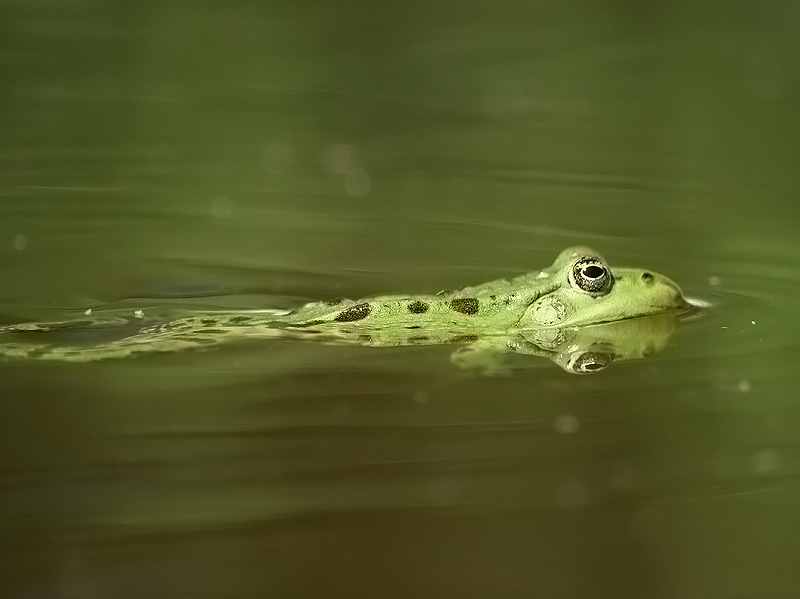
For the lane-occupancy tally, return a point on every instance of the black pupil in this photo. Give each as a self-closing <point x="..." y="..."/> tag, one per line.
<point x="593" y="272"/>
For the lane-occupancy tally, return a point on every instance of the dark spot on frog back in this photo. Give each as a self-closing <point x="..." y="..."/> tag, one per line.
<point x="308" y="323"/>
<point x="354" y="313"/>
<point x="418" y="307"/>
<point x="464" y="305"/>
<point x="463" y="339"/>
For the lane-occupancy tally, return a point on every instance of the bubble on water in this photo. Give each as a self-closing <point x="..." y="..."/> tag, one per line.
<point x="138" y="314"/>
<point x="20" y="242"/>
<point x="88" y="312"/>
<point x="714" y="281"/>
<point x="338" y="159"/>
<point x="566" y="424"/>
<point x="765" y="461"/>
<point x="572" y="494"/>
<point x="277" y="157"/>
<point x="744" y="386"/>
<point x="221" y="207"/>
<point x="357" y="182"/>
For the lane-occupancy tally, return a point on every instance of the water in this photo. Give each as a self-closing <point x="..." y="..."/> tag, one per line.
<point x="241" y="155"/>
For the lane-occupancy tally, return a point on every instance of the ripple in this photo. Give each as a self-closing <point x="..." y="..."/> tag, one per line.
<point x="750" y="313"/>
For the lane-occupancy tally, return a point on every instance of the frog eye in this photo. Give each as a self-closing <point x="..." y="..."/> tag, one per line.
<point x="588" y="362"/>
<point x="590" y="275"/>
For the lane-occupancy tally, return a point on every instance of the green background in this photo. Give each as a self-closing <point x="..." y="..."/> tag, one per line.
<point x="279" y="152"/>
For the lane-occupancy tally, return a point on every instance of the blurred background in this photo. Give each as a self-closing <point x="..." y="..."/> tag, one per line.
<point x="264" y="154"/>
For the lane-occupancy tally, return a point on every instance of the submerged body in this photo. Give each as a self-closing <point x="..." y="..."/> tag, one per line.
<point x="577" y="290"/>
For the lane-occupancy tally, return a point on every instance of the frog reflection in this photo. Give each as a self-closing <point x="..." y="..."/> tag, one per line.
<point x="578" y="350"/>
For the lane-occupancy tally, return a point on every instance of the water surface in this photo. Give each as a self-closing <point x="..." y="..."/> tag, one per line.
<point x="252" y="156"/>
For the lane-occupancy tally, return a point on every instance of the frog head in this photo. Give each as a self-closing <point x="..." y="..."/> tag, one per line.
<point x="586" y="290"/>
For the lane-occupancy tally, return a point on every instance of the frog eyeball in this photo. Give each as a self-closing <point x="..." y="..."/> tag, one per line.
<point x="590" y="275"/>
<point x="588" y="362"/>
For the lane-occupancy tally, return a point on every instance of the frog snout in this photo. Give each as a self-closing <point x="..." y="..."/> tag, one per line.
<point x="672" y="294"/>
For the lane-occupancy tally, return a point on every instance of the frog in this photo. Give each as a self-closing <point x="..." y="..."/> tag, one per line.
<point x="537" y="313"/>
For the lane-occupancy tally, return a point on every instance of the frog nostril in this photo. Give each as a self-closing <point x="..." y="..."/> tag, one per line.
<point x="647" y="277"/>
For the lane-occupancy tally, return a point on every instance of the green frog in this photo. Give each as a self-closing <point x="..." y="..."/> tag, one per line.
<point x="554" y="312"/>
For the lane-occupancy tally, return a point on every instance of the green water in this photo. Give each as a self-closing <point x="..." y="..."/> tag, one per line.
<point x="252" y="154"/>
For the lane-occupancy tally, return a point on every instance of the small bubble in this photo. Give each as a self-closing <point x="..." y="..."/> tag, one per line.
<point x="752" y="322"/>
<point x="20" y="242"/>
<point x="138" y="314"/>
<point x="357" y="182"/>
<point x="744" y="386"/>
<point x="221" y="207"/>
<point x="765" y="461"/>
<point x="714" y="281"/>
<point x="566" y="424"/>
<point x="88" y="312"/>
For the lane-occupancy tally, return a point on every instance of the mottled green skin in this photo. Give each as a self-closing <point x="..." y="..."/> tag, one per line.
<point x="539" y="299"/>
<point x="534" y="313"/>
